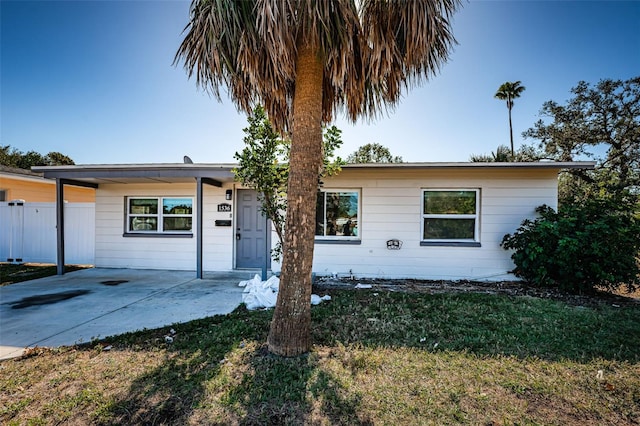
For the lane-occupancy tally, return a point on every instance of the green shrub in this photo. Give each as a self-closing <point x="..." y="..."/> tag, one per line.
<point x="579" y="247"/>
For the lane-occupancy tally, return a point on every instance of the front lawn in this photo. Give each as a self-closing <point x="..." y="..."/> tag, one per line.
<point x="380" y="357"/>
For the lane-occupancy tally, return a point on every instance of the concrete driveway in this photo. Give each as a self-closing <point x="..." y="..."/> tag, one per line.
<point x="95" y="303"/>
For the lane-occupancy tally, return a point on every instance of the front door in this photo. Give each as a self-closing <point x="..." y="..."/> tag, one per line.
<point x="253" y="242"/>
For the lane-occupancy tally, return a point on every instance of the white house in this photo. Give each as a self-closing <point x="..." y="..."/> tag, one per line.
<point x="407" y="220"/>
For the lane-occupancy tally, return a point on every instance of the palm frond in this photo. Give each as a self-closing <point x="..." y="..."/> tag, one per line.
<point x="408" y="42"/>
<point x="372" y="50"/>
<point x="508" y="91"/>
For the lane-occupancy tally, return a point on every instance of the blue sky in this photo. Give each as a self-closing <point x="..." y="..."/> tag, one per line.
<point x="94" y="80"/>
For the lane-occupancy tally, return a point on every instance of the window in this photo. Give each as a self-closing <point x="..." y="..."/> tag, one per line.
<point x="450" y="216"/>
<point x="159" y="215"/>
<point x="3" y="195"/>
<point x="337" y="214"/>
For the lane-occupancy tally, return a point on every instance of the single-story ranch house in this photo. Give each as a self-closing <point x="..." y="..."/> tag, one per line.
<point x="405" y="220"/>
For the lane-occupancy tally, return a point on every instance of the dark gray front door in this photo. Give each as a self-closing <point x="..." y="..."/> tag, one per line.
<point x="253" y="242"/>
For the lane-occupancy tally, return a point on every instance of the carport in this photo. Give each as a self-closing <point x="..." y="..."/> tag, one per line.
<point x="93" y="175"/>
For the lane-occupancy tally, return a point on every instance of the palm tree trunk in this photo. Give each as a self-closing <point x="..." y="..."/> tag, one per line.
<point x="511" y="134"/>
<point x="290" y="328"/>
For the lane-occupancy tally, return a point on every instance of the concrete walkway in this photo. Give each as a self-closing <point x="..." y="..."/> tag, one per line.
<point x="96" y="303"/>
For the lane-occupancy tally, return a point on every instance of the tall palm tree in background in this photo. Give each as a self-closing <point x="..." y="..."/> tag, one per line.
<point x="508" y="91"/>
<point x="304" y="61"/>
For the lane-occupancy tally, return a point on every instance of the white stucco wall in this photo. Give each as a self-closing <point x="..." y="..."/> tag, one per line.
<point x="391" y="209"/>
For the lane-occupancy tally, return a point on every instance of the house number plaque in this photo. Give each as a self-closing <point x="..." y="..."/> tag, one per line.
<point x="224" y="207"/>
<point x="394" y="245"/>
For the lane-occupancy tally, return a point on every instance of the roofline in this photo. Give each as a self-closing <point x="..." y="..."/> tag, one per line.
<point x="477" y="165"/>
<point x="18" y="171"/>
<point x="224" y="171"/>
<point x="135" y="166"/>
<point x="34" y="177"/>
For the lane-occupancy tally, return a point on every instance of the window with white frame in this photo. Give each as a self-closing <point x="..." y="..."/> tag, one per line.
<point x="159" y="214"/>
<point x="338" y="214"/>
<point x="450" y="215"/>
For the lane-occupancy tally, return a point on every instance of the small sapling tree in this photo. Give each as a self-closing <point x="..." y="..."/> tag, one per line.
<point x="263" y="165"/>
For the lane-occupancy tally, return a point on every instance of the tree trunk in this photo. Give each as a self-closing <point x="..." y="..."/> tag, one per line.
<point x="290" y="328"/>
<point x="511" y="134"/>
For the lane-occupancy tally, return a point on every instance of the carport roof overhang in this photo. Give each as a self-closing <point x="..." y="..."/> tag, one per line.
<point x="97" y="174"/>
<point x="94" y="175"/>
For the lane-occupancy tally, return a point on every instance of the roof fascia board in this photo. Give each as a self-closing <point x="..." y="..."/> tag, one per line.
<point x="225" y="171"/>
<point x="81" y="173"/>
<point x="480" y="165"/>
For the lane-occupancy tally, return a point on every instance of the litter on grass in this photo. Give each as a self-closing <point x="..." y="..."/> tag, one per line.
<point x="263" y="294"/>
<point x="364" y="286"/>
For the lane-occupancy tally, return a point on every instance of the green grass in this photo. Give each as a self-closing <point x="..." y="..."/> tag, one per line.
<point x="379" y="358"/>
<point x="11" y="273"/>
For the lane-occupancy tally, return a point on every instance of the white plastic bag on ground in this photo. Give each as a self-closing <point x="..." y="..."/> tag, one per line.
<point x="250" y="283"/>
<point x="363" y="286"/>
<point x="316" y="300"/>
<point x="273" y="283"/>
<point x="259" y="299"/>
<point x="259" y="294"/>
